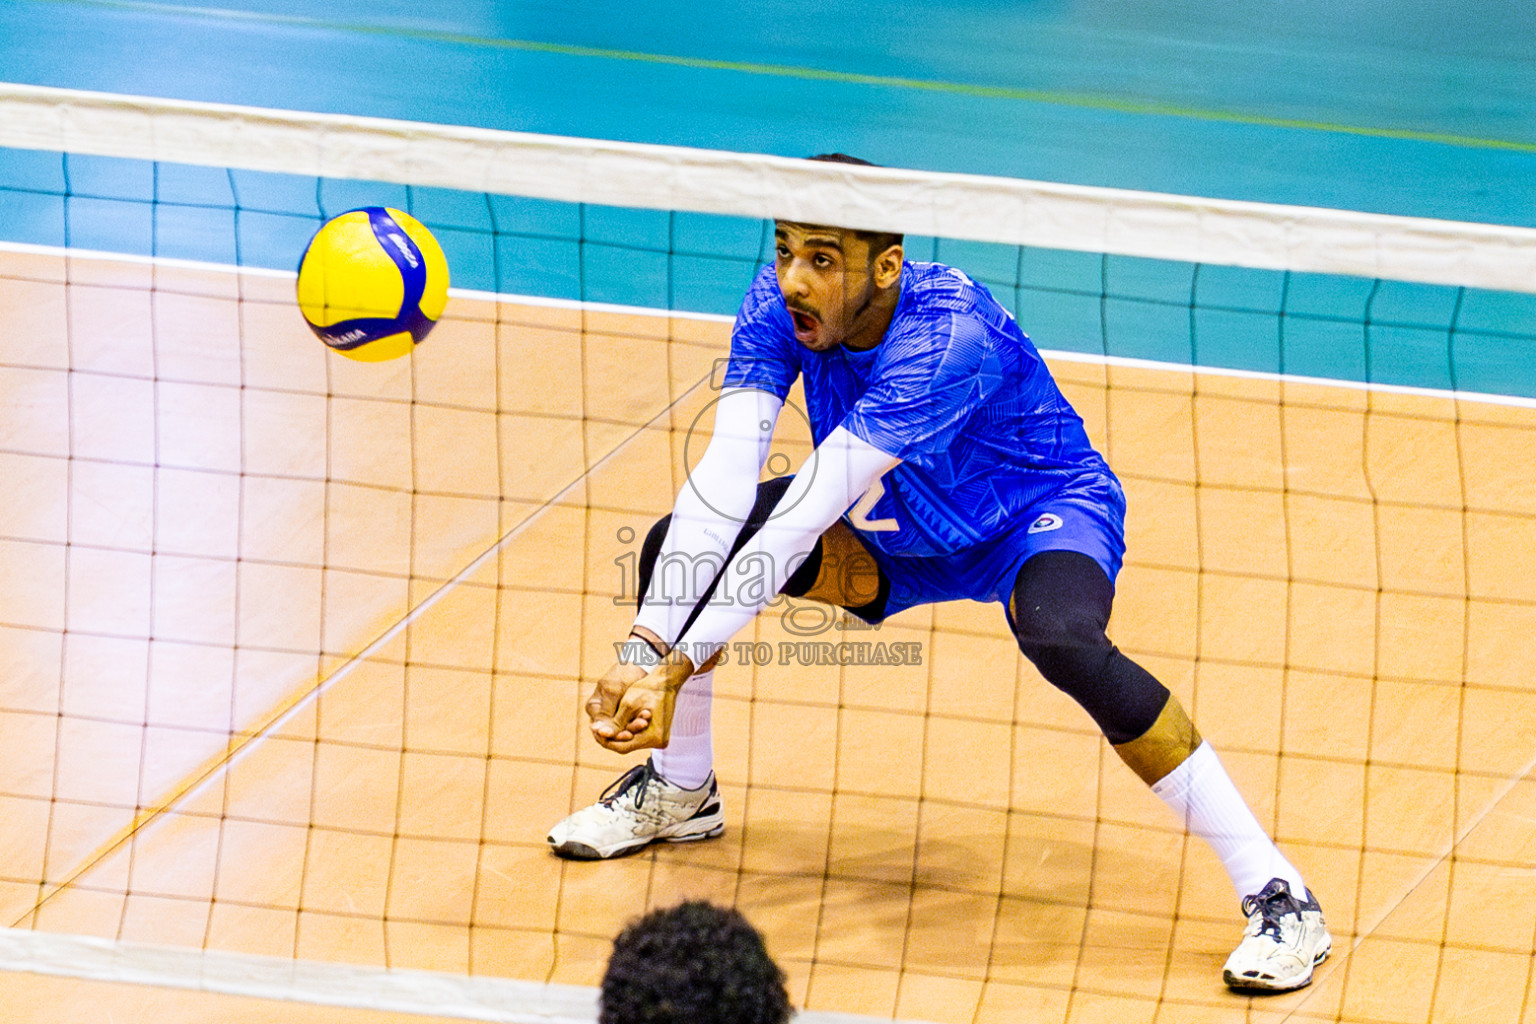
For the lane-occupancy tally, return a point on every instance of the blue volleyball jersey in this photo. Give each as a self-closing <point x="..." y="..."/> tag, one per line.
<point x="955" y="390"/>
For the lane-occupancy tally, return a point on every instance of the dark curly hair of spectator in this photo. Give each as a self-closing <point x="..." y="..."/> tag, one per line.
<point x="694" y="963"/>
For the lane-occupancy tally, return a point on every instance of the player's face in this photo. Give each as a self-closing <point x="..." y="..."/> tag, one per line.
<point x="827" y="281"/>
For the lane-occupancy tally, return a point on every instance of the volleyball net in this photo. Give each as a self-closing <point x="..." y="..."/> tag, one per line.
<point x="295" y="647"/>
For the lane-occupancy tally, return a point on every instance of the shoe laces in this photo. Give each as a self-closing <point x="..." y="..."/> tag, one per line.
<point x="639" y="777"/>
<point x="1272" y="903"/>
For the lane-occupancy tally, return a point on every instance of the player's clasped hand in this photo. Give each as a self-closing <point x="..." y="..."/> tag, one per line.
<point x="631" y="709"/>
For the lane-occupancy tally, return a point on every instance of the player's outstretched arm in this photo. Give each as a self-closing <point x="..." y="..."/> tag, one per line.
<point x="841" y="469"/>
<point x="837" y="474"/>
<point x="711" y="508"/>
<point x="708" y="514"/>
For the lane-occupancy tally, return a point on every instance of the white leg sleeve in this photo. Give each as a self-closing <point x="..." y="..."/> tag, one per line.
<point x="1201" y="793"/>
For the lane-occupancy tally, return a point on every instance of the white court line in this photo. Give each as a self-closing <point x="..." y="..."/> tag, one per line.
<point x="391" y="990"/>
<point x="1061" y="355"/>
<point x="61" y="252"/>
<point x="1366" y="931"/>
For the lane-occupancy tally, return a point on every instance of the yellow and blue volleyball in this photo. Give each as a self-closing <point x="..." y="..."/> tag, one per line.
<point x="372" y="283"/>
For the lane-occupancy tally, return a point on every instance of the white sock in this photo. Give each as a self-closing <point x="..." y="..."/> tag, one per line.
<point x="1201" y="793"/>
<point x="690" y="753"/>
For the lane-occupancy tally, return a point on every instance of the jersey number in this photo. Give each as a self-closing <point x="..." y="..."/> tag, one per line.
<point x="859" y="514"/>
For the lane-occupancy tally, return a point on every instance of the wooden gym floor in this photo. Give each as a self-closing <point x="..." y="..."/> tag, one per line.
<point x="223" y="729"/>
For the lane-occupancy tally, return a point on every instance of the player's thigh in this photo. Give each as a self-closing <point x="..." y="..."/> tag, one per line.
<point x="849" y="576"/>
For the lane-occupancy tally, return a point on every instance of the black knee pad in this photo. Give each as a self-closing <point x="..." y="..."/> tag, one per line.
<point x="1061" y="606"/>
<point x="769" y="494"/>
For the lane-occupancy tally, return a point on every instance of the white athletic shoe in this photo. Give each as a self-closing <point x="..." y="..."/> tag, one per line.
<point x="638" y="809"/>
<point x="1284" y="940"/>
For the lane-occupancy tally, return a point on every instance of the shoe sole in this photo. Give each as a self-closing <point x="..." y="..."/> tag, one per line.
<point x="1261" y="985"/>
<point x="581" y="851"/>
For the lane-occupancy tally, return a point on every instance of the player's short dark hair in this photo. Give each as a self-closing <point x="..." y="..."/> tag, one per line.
<point x="694" y="963"/>
<point x="878" y="241"/>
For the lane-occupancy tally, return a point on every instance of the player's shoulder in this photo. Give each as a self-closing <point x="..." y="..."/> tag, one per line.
<point x="940" y="286"/>
<point x="943" y="303"/>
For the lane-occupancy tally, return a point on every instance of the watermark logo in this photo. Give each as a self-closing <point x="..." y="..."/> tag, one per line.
<point x="679" y="578"/>
<point x="785" y="652"/>
<point x="696" y="439"/>
<point x="721" y="578"/>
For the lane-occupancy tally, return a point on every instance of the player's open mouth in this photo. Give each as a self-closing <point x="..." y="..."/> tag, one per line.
<point x="806" y="325"/>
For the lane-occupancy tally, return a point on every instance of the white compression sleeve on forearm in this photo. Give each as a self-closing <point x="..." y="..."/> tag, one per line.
<point x="842" y="468"/>
<point x="710" y="510"/>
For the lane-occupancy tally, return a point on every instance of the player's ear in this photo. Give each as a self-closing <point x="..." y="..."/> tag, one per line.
<point x="888" y="266"/>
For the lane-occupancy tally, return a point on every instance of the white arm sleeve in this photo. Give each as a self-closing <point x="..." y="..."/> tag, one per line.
<point x="710" y="509"/>
<point x="841" y="469"/>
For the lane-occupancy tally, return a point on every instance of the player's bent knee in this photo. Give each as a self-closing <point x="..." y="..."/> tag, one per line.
<point x="1060" y="608"/>
<point x="1060" y="634"/>
<point x="1122" y="698"/>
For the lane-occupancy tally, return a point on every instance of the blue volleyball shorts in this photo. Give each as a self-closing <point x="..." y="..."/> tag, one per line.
<point x="1087" y="517"/>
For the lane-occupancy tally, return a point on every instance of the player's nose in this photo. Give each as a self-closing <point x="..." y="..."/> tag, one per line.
<point x="794" y="281"/>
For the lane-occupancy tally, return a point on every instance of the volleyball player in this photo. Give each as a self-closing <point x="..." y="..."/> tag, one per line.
<point x="947" y="466"/>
